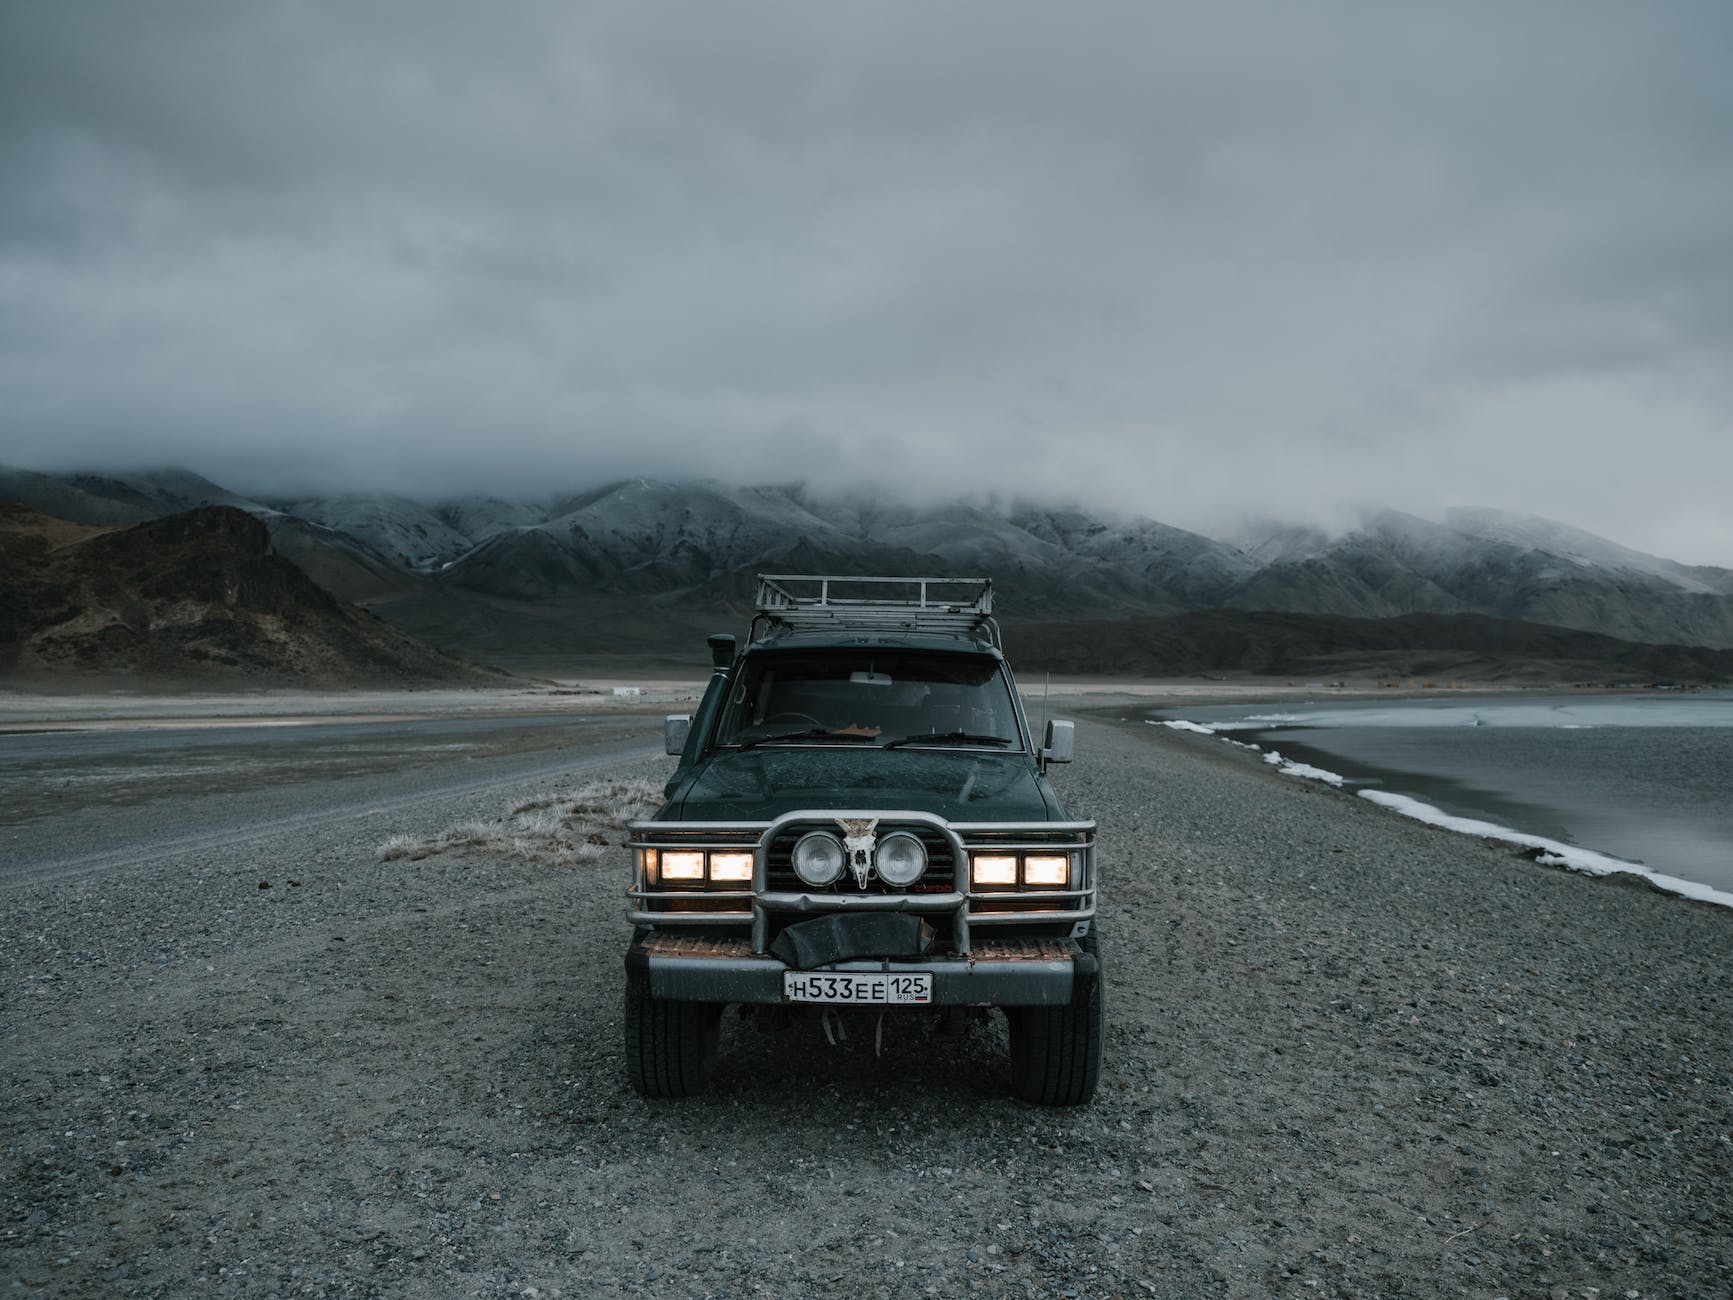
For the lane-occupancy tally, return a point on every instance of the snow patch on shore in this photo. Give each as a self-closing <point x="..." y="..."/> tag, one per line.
<point x="1288" y="767"/>
<point x="1551" y="852"/>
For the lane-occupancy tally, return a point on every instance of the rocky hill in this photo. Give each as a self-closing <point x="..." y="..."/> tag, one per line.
<point x="199" y="597"/>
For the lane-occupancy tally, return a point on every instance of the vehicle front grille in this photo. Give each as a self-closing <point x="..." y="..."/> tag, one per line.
<point x="940" y="876"/>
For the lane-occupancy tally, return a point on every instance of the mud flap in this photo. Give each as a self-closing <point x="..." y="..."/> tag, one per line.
<point x="1085" y="971"/>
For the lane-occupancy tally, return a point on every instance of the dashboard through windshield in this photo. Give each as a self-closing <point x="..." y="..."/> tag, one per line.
<point x="871" y="698"/>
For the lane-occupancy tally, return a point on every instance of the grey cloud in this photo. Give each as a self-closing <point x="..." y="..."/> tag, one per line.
<point x="1194" y="261"/>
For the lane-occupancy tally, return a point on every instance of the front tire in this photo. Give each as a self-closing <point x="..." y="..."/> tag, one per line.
<point x="670" y="1045"/>
<point x="1056" y="1051"/>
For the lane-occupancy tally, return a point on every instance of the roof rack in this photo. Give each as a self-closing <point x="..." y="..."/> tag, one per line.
<point x="947" y="606"/>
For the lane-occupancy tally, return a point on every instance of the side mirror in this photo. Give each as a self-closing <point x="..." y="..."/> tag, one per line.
<point x="675" y="728"/>
<point x="1061" y="742"/>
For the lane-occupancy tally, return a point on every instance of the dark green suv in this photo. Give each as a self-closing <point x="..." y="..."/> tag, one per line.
<point x="860" y="818"/>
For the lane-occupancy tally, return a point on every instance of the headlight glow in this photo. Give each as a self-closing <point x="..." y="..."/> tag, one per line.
<point x="900" y="859"/>
<point x="731" y="866"/>
<point x="993" y="868"/>
<point x="1047" y="869"/>
<point x="818" y="858"/>
<point x="682" y="864"/>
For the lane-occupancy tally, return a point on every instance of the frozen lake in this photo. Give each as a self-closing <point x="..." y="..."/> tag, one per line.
<point x="1646" y="779"/>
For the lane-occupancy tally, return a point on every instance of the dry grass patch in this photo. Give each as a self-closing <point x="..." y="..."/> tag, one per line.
<point x="568" y="829"/>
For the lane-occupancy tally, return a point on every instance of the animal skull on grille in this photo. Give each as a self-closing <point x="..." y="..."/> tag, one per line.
<point x="857" y="843"/>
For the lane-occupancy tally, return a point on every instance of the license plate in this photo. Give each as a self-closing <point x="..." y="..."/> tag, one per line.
<point x="865" y="990"/>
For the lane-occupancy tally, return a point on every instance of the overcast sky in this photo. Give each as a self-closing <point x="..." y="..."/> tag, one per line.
<point x="1194" y="262"/>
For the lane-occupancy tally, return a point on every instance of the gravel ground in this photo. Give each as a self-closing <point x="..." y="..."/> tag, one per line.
<point x="1347" y="1055"/>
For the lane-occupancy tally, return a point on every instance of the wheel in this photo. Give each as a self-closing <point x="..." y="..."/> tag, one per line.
<point x="670" y="1046"/>
<point x="1056" y="1051"/>
<point x="791" y="716"/>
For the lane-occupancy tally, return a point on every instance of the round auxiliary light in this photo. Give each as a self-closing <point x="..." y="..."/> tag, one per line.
<point x="818" y="858"/>
<point x="901" y="858"/>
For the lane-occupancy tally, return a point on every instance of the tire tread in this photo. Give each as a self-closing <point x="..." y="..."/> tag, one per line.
<point x="670" y="1045"/>
<point x="1056" y="1051"/>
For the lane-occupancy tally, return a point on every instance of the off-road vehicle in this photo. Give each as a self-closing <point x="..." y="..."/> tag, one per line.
<point x="860" y="818"/>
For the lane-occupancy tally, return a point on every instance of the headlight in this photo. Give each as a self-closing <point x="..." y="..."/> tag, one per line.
<point x="900" y="859"/>
<point x="818" y="858"/>
<point x="697" y="867"/>
<point x="993" y="869"/>
<point x="731" y="866"/>
<point x="682" y="864"/>
<point x="1050" y="870"/>
<point x="1020" y="870"/>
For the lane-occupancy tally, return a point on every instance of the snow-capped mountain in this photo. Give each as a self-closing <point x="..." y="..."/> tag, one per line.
<point x="1489" y="562"/>
<point x="398" y="528"/>
<point x="1531" y="533"/>
<point x="493" y="565"/>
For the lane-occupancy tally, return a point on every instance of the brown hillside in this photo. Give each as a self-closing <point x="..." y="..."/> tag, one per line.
<point x="20" y="527"/>
<point x="199" y="597"/>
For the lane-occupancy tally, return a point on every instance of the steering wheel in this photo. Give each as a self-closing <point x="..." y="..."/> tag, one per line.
<point x="791" y="716"/>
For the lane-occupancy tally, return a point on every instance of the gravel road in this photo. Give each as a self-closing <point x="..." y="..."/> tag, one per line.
<point x="111" y="800"/>
<point x="1347" y="1055"/>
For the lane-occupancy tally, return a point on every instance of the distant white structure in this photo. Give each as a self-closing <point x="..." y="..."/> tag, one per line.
<point x="628" y="690"/>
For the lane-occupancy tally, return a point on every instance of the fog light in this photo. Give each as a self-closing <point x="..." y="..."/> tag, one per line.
<point x="818" y="858"/>
<point x="682" y="864"/>
<point x="731" y="866"/>
<point x="1044" y="869"/>
<point x="900" y="859"/>
<point x="993" y="869"/>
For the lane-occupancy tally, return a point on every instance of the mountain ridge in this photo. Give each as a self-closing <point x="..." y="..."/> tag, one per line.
<point x="497" y="564"/>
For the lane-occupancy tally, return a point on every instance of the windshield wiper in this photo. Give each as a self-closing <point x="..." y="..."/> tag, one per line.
<point x="811" y="733"/>
<point x="948" y="737"/>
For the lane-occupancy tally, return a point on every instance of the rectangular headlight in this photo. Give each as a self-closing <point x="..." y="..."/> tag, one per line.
<point x="1045" y="869"/>
<point x="682" y="864"/>
<point x="731" y="866"/>
<point x="993" y="868"/>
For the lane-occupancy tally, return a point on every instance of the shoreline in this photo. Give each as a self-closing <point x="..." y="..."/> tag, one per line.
<point x="1543" y="850"/>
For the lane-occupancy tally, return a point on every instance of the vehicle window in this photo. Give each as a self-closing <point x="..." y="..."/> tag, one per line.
<point x="876" y="697"/>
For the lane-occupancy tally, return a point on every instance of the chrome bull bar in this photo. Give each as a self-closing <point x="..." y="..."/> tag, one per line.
<point x="965" y="906"/>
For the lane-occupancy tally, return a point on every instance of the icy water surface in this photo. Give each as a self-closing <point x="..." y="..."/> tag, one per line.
<point x="1646" y="779"/>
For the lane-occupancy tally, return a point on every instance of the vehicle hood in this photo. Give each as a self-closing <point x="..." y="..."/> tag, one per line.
<point x="959" y="785"/>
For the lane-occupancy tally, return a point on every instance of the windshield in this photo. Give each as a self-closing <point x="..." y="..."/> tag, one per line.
<point x="866" y="697"/>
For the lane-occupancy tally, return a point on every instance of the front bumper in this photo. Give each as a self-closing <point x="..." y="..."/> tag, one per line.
<point x="761" y="906"/>
<point x="1000" y="973"/>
